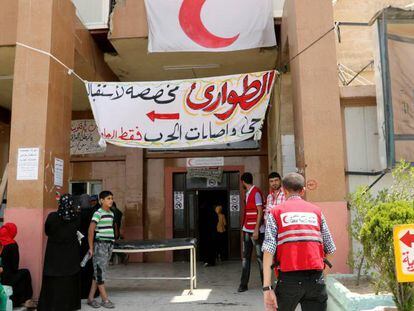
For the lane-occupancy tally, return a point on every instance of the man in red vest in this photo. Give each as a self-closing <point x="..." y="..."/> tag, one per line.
<point x="252" y="237"/>
<point x="297" y="232"/>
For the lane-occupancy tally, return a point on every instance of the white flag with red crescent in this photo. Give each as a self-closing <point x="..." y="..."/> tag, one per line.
<point x="212" y="26"/>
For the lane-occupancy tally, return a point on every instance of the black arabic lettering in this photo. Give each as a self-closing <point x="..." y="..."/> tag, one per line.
<point x="176" y="134"/>
<point x="216" y="135"/>
<point x="251" y="126"/>
<point x="146" y="94"/>
<point x="153" y="139"/>
<point x="120" y="93"/>
<point x="191" y="134"/>
<point x="203" y="135"/>
<point x="100" y="91"/>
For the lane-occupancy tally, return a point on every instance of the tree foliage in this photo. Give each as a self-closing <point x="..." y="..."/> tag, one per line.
<point x="374" y="218"/>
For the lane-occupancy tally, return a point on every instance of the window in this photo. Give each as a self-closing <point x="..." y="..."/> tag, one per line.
<point x="76" y="188"/>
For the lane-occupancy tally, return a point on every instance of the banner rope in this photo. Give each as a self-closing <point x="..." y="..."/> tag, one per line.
<point x="284" y="67"/>
<point x="70" y="70"/>
<point x="279" y="70"/>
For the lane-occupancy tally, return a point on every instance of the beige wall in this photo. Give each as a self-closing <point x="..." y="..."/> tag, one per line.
<point x="111" y="173"/>
<point x="4" y="147"/>
<point x="315" y="93"/>
<point x="356" y="47"/>
<point x="280" y="121"/>
<point x="42" y="122"/>
<point x="8" y="22"/>
<point x="128" y="20"/>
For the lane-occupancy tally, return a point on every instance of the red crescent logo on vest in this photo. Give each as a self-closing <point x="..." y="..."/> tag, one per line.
<point x="193" y="27"/>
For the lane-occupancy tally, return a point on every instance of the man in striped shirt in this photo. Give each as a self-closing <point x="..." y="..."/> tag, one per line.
<point x="101" y="240"/>
<point x="276" y="195"/>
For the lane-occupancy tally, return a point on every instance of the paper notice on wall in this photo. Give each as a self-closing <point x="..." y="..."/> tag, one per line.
<point x="59" y="172"/>
<point x="27" y="164"/>
<point x="234" y="201"/>
<point x="205" y="162"/>
<point x="85" y="138"/>
<point x="178" y="200"/>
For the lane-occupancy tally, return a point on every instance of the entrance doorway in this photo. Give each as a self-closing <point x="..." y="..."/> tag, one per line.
<point x="208" y="242"/>
<point x="194" y="215"/>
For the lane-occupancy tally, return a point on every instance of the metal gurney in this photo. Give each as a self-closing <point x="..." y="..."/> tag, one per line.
<point x="141" y="246"/>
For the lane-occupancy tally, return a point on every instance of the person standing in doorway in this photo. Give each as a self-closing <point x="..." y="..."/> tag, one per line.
<point x="211" y="219"/>
<point x="101" y="239"/>
<point x="276" y="195"/>
<point x="252" y="238"/>
<point x="221" y="232"/>
<point x="297" y="232"/>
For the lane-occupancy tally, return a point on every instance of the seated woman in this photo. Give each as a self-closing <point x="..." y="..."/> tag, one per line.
<point x="61" y="270"/>
<point x="19" y="279"/>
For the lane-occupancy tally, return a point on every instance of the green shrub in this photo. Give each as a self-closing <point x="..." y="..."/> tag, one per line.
<point x="377" y="240"/>
<point x="374" y="218"/>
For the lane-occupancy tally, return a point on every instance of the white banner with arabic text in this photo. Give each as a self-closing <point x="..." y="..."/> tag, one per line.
<point x="181" y="113"/>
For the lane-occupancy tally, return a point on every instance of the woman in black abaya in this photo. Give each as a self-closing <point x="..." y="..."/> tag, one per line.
<point x="61" y="271"/>
<point x="86" y="213"/>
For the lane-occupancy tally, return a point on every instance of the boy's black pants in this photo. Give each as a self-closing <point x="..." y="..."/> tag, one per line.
<point x="306" y="288"/>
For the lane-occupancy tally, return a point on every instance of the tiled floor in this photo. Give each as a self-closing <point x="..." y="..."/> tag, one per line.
<point x="216" y="290"/>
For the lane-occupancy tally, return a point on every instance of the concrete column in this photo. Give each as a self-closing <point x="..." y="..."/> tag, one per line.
<point x="134" y="193"/>
<point x="317" y="113"/>
<point x="41" y="116"/>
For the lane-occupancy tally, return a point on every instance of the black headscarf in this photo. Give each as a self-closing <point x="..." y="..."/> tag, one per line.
<point x="66" y="210"/>
<point x="84" y="201"/>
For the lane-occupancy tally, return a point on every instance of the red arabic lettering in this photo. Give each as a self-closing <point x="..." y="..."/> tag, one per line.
<point x="409" y="264"/>
<point x="252" y="94"/>
<point x="126" y="135"/>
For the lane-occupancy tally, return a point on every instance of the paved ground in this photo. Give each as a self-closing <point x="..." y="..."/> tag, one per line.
<point x="216" y="288"/>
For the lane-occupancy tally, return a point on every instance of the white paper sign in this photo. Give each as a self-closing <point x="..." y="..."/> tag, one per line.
<point x="59" y="172"/>
<point x="178" y="200"/>
<point x="27" y="164"/>
<point x="84" y="138"/>
<point x="203" y="162"/>
<point x="234" y="201"/>
<point x="181" y="113"/>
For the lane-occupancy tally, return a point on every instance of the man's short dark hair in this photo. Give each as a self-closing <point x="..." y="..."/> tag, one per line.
<point x="247" y="178"/>
<point x="104" y="194"/>
<point x="274" y="175"/>
<point x="293" y="182"/>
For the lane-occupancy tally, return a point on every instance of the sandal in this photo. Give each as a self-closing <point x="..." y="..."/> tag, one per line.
<point x="108" y="304"/>
<point x="30" y="304"/>
<point x="94" y="304"/>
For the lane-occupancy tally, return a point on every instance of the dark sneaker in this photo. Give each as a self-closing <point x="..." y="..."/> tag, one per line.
<point x="107" y="304"/>
<point x="242" y="288"/>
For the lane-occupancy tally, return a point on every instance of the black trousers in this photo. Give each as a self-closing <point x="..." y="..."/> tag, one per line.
<point x="248" y="245"/>
<point x="306" y="288"/>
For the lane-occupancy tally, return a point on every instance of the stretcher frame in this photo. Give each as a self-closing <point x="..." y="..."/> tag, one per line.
<point x="193" y="263"/>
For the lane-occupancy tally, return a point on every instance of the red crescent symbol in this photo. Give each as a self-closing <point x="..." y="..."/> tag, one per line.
<point x="190" y="21"/>
<point x="284" y="219"/>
